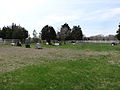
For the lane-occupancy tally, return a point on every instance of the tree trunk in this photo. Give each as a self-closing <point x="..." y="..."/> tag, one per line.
<point x="49" y="42"/>
<point x="64" y="42"/>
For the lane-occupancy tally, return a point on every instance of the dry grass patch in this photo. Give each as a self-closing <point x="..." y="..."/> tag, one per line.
<point x="114" y="59"/>
<point x="15" y="57"/>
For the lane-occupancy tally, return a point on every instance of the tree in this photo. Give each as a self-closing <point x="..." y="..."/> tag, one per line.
<point x="58" y="37"/>
<point x="48" y="34"/>
<point x="76" y="33"/>
<point x="6" y="33"/>
<point x="118" y="33"/>
<point x="65" y="32"/>
<point x="34" y="34"/>
<point x="39" y="36"/>
<point x="14" y="32"/>
<point x="35" y="38"/>
<point x="19" y="32"/>
<point x="0" y="33"/>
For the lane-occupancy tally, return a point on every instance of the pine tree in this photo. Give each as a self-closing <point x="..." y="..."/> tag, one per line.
<point x="48" y="34"/>
<point x="118" y="33"/>
<point x="76" y="33"/>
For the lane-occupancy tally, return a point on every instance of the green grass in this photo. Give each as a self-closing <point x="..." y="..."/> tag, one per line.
<point x="4" y="45"/>
<point x="66" y="67"/>
<point x="87" y="46"/>
<point x="71" y="75"/>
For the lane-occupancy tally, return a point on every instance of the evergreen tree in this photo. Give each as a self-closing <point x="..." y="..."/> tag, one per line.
<point x="14" y="32"/>
<point x="118" y="33"/>
<point x="76" y="33"/>
<point x="48" y="34"/>
<point x="65" y="32"/>
<point x="0" y="33"/>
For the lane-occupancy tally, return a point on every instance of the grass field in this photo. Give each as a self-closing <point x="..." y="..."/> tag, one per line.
<point x="65" y="67"/>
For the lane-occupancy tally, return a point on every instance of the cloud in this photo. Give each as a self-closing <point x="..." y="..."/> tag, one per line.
<point x="12" y="10"/>
<point x="33" y="14"/>
<point x="111" y="13"/>
<point x="52" y="19"/>
<point x="102" y="15"/>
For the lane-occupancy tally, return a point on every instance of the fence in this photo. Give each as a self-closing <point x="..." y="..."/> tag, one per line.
<point x="101" y="41"/>
<point x="8" y="41"/>
<point x="93" y="41"/>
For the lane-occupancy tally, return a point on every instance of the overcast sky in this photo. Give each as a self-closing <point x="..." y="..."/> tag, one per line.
<point x="94" y="16"/>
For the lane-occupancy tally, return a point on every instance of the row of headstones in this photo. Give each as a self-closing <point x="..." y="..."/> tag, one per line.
<point x="27" y="45"/>
<point x="37" y="46"/>
<point x="112" y="44"/>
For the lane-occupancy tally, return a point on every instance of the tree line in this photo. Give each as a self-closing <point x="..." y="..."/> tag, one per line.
<point x="48" y="33"/>
<point x="14" y="32"/>
<point x="66" y="33"/>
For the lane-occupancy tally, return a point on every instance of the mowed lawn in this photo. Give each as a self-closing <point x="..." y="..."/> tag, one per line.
<point x="65" y="67"/>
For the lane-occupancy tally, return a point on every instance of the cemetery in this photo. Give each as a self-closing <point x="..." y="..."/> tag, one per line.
<point x="67" y="66"/>
<point x="62" y="61"/>
<point x="59" y="44"/>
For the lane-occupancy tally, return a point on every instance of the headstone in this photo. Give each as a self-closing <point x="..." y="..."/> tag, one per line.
<point x="46" y="43"/>
<point x="38" y="46"/>
<point x="27" y="43"/>
<point x="12" y="44"/>
<point x="113" y="44"/>
<point x="57" y="44"/>
<point x="19" y="44"/>
<point x="73" y="43"/>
